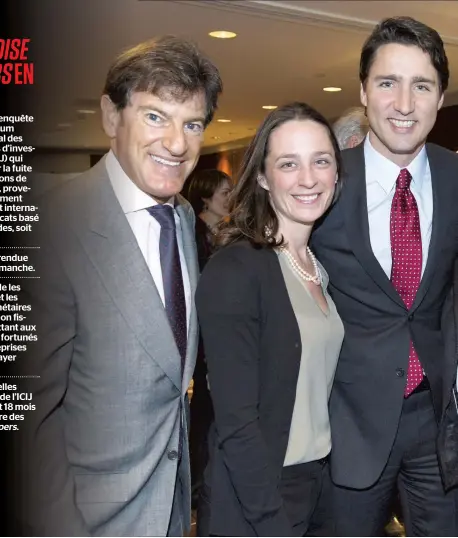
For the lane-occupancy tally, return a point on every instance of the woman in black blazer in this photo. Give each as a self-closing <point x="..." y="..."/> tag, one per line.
<point x="271" y="337"/>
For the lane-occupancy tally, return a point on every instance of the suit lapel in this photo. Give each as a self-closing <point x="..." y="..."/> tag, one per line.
<point x="354" y="206"/>
<point x="438" y="223"/>
<point x="189" y="249"/>
<point x="113" y="249"/>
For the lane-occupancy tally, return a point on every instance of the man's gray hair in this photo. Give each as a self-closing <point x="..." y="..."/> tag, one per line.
<point x="351" y="128"/>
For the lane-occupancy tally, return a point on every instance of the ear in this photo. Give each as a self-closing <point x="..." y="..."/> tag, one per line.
<point x="441" y="101"/>
<point x="263" y="182"/>
<point x="363" y="95"/>
<point x="110" y="116"/>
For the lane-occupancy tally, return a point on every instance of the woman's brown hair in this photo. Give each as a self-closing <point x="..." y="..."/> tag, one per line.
<point x="251" y="213"/>
<point x="204" y="184"/>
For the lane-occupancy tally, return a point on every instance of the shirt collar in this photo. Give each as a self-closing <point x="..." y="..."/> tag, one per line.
<point x="385" y="172"/>
<point x="131" y="197"/>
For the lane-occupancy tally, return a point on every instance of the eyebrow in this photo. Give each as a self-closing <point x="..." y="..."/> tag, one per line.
<point x="397" y="78"/>
<point x="424" y="79"/>
<point x="146" y="108"/>
<point x="287" y="156"/>
<point x="296" y="155"/>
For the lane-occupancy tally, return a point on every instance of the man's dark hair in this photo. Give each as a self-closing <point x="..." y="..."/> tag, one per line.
<point x="169" y="67"/>
<point x="405" y="31"/>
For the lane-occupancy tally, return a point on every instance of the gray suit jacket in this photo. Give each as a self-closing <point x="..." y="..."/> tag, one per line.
<point x="101" y="451"/>
<point x="367" y="396"/>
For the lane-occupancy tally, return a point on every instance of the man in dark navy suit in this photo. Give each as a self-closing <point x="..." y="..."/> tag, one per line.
<point x="389" y="245"/>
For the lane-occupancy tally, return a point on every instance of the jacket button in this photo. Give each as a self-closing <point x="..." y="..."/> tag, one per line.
<point x="400" y="372"/>
<point x="172" y="455"/>
<point x="410" y="317"/>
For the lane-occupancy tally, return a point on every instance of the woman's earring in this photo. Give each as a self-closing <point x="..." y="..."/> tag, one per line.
<point x="268" y="234"/>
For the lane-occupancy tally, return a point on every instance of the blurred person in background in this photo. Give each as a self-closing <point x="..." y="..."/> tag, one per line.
<point x="208" y="194"/>
<point x="351" y="128"/>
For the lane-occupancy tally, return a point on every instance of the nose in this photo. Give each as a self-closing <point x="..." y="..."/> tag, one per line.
<point x="404" y="102"/>
<point x="174" y="141"/>
<point x="307" y="178"/>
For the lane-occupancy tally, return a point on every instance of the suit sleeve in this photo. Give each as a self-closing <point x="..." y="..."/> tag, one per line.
<point x="449" y="324"/>
<point x="47" y="501"/>
<point x="229" y="313"/>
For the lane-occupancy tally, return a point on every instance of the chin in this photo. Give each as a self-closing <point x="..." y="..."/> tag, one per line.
<point x="171" y="189"/>
<point x="405" y="149"/>
<point x="163" y="195"/>
<point x="311" y="217"/>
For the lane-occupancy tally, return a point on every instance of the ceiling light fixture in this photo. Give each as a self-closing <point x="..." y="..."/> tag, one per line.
<point x="222" y="34"/>
<point x="332" y="89"/>
<point x="86" y="111"/>
<point x="224" y="121"/>
<point x="269" y="107"/>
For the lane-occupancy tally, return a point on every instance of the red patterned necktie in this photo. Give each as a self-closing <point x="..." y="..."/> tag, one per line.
<point x="406" y="254"/>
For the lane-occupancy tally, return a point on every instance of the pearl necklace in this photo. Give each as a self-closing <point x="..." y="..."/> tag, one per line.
<point x="302" y="273"/>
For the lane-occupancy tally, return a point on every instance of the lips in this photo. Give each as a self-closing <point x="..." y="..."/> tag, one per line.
<point x="306" y="198"/>
<point x="402" y="124"/>
<point x="165" y="162"/>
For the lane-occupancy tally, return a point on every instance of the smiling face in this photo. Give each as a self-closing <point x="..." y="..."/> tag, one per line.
<point x="300" y="172"/>
<point x="157" y="141"/>
<point x="402" y="96"/>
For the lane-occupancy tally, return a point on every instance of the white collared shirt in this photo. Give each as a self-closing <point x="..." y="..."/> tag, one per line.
<point x="381" y="175"/>
<point x="145" y="227"/>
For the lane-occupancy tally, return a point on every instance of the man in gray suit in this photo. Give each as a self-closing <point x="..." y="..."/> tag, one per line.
<point x="106" y="452"/>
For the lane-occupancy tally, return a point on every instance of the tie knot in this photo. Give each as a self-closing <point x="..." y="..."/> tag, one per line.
<point x="163" y="213"/>
<point x="404" y="179"/>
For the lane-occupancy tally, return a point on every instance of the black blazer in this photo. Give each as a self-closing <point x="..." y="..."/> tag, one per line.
<point x="203" y="242"/>
<point x="204" y="251"/>
<point x="367" y="396"/>
<point x="253" y="351"/>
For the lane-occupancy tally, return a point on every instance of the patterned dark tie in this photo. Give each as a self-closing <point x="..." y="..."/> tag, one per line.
<point x="406" y="254"/>
<point x="172" y="278"/>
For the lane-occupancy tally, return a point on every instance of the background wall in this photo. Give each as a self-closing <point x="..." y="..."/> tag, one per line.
<point x="445" y="131"/>
<point x="59" y="162"/>
<point x="228" y="161"/>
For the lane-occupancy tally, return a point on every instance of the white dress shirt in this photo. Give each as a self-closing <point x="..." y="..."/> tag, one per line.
<point x="145" y="227"/>
<point x="381" y="175"/>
